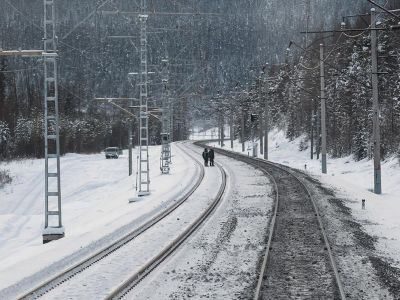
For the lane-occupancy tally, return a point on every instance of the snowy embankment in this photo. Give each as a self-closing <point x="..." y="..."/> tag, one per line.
<point x="351" y="179"/>
<point x="95" y="193"/>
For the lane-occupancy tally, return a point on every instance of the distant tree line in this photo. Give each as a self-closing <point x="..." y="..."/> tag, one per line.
<point x="208" y="53"/>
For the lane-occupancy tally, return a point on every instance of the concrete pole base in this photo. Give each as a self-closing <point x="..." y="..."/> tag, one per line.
<point x="52" y="234"/>
<point x="255" y="150"/>
<point x="377" y="182"/>
<point x="324" y="168"/>
<point x="52" y="237"/>
<point x="142" y="194"/>
<point x="139" y="197"/>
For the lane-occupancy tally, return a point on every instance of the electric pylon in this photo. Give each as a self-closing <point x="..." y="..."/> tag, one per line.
<point x="144" y="172"/>
<point x="53" y="228"/>
<point x="165" y="130"/>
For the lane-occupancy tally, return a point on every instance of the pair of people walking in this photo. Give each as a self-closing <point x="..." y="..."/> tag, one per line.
<point x="208" y="155"/>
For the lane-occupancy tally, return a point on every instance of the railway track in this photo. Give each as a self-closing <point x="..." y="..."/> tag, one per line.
<point x="298" y="261"/>
<point x="123" y="289"/>
<point x="86" y="263"/>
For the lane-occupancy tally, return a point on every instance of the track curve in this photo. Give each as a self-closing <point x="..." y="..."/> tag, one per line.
<point x="298" y="260"/>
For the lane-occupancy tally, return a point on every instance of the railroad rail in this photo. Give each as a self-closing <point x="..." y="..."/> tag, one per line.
<point x="298" y="260"/>
<point x="123" y="289"/>
<point x="77" y="268"/>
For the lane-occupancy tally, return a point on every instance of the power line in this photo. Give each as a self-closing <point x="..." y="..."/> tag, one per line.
<point x="19" y="70"/>
<point x="309" y="68"/>
<point x="152" y="13"/>
<point x="354" y="78"/>
<point x="28" y="18"/>
<point x="71" y="93"/>
<point x="85" y="19"/>
<point x="326" y="57"/>
<point x="384" y="9"/>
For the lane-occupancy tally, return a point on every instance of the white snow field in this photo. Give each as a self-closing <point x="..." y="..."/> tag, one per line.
<point x="351" y="179"/>
<point x="95" y="193"/>
<point x="100" y="279"/>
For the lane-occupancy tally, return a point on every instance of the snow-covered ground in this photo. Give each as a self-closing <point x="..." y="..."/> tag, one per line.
<point x="351" y="179"/>
<point x="130" y="258"/>
<point x="95" y="193"/>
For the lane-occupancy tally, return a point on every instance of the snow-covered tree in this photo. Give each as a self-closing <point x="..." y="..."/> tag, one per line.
<point x="5" y="139"/>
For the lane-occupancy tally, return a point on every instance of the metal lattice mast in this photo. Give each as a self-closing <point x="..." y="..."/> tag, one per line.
<point x="165" y="131"/>
<point x="171" y="118"/>
<point x="144" y="172"/>
<point x="171" y="123"/>
<point x="53" y="225"/>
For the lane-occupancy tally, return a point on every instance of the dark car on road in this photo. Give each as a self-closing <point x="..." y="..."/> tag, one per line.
<point x="112" y="152"/>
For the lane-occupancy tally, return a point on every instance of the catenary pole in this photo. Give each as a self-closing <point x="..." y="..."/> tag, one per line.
<point x="266" y="123"/>
<point x="323" y="111"/>
<point x="222" y="128"/>
<point x="172" y="120"/>
<point x="261" y="124"/>
<point x="254" y="154"/>
<point x="165" y="134"/>
<point x="318" y="130"/>
<point x="130" y="141"/>
<point x="144" y="170"/>
<point x="231" y="133"/>
<point x="53" y="228"/>
<point x="242" y="129"/>
<point x="312" y="134"/>
<point x="375" y="99"/>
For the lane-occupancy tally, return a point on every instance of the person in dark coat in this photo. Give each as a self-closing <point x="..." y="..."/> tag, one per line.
<point x="205" y="157"/>
<point x="211" y="155"/>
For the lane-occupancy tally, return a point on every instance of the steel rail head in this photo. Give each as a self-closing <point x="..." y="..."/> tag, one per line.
<point x="272" y="221"/>
<point x="323" y="231"/>
<point x="270" y="236"/>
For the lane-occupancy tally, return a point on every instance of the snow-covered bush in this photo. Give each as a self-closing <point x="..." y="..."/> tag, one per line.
<point x="303" y="145"/>
<point x="5" y="139"/>
<point x="4" y="177"/>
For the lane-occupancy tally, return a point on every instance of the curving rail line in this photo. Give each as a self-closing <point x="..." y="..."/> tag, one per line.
<point x="123" y="289"/>
<point x="321" y="227"/>
<point x="275" y="172"/>
<point x="69" y="273"/>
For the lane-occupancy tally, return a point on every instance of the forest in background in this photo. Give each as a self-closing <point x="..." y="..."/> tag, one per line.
<point x="292" y="91"/>
<point x="215" y="51"/>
